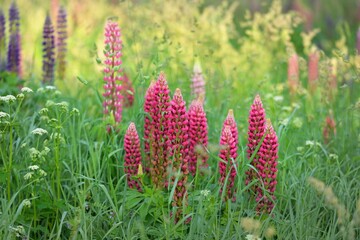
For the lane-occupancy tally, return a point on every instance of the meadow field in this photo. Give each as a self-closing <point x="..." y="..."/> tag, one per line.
<point x="194" y="119"/>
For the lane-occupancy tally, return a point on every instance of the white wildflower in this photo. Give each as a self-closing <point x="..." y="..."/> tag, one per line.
<point x="28" y="175"/>
<point x="75" y="111"/>
<point x="309" y="143"/>
<point x="205" y="193"/>
<point x="34" y="153"/>
<point x="285" y="122"/>
<point x="298" y="122"/>
<point x="49" y="103"/>
<point x="26" y="90"/>
<point x="42" y="173"/>
<point x="43" y="111"/>
<point x="39" y="131"/>
<point x="20" y="96"/>
<point x="4" y="115"/>
<point x="252" y="237"/>
<point x="278" y="98"/>
<point x="27" y="203"/>
<point x="300" y="149"/>
<point x="333" y="156"/>
<point x="45" y="151"/>
<point x="8" y="98"/>
<point x="40" y="90"/>
<point x="50" y="88"/>
<point x="33" y="167"/>
<point x="286" y="109"/>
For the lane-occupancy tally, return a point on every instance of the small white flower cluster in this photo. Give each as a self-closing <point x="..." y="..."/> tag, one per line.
<point x="8" y="98"/>
<point x="278" y="98"/>
<point x="50" y="88"/>
<point x="27" y="203"/>
<point x="19" y="231"/>
<point x="39" y="131"/>
<point x="205" y="193"/>
<point x="75" y="111"/>
<point x="333" y="156"/>
<point x="312" y="143"/>
<point x="4" y="115"/>
<point x="34" y="169"/>
<point x="252" y="237"/>
<point x="26" y="90"/>
<point x="36" y="154"/>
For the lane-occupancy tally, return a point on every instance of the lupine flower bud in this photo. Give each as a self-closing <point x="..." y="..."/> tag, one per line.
<point x="132" y="160"/>
<point x="148" y="124"/>
<point x="255" y="134"/>
<point x="313" y="71"/>
<point x="127" y="92"/>
<point x="2" y="42"/>
<point x="112" y="71"/>
<point x="61" y="42"/>
<point x="14" y="47"/>
<point x="179" y="149"/>
<point x="293" y="73"/>
<point x="197" y="83"/>
<point x="159" y="147"/>
<point x="49" y="52"/>
<point x="230" y="121"/>
<point x="228" y="153"/>
<point x="267" y="167"/>
<point x="198" y="135"/>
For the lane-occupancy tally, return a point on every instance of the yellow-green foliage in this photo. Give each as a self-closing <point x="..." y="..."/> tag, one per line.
<point x="175" y="33"/>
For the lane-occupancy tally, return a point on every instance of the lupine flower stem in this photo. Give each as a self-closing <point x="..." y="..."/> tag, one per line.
<point x="61" y="42"/>
<point x="198" y="135"/>
<point x="2" y="42"/>
<point x="132" y="158"/>
<point x="113" y="78"/>
<point x="14" y="47"/>
<point x="179" y="149"/>
<point x="159" y="148"/>
<point x="227" y="168"/>
<point x="49" y="52"/>
<point x="267" y="167"/>
<point x="255" y="134"/>
<point x="148" y="125"/>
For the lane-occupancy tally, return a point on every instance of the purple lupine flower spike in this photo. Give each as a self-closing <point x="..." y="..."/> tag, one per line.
<point x="159" y="148"/>
<point x="198" y="136"/>
<point x="2" y="42"/>
<point x="179" y="149"/>
<point x="267" y="170"/>
<point x="14" y="47"/>
<point x="228" y="153"/>
<point x="132" y="158"/>
<point x="113" y="73"/>
<point x="48" y="52"/>
<point x="255" y="134"/>
<point x="61" y="42"/>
